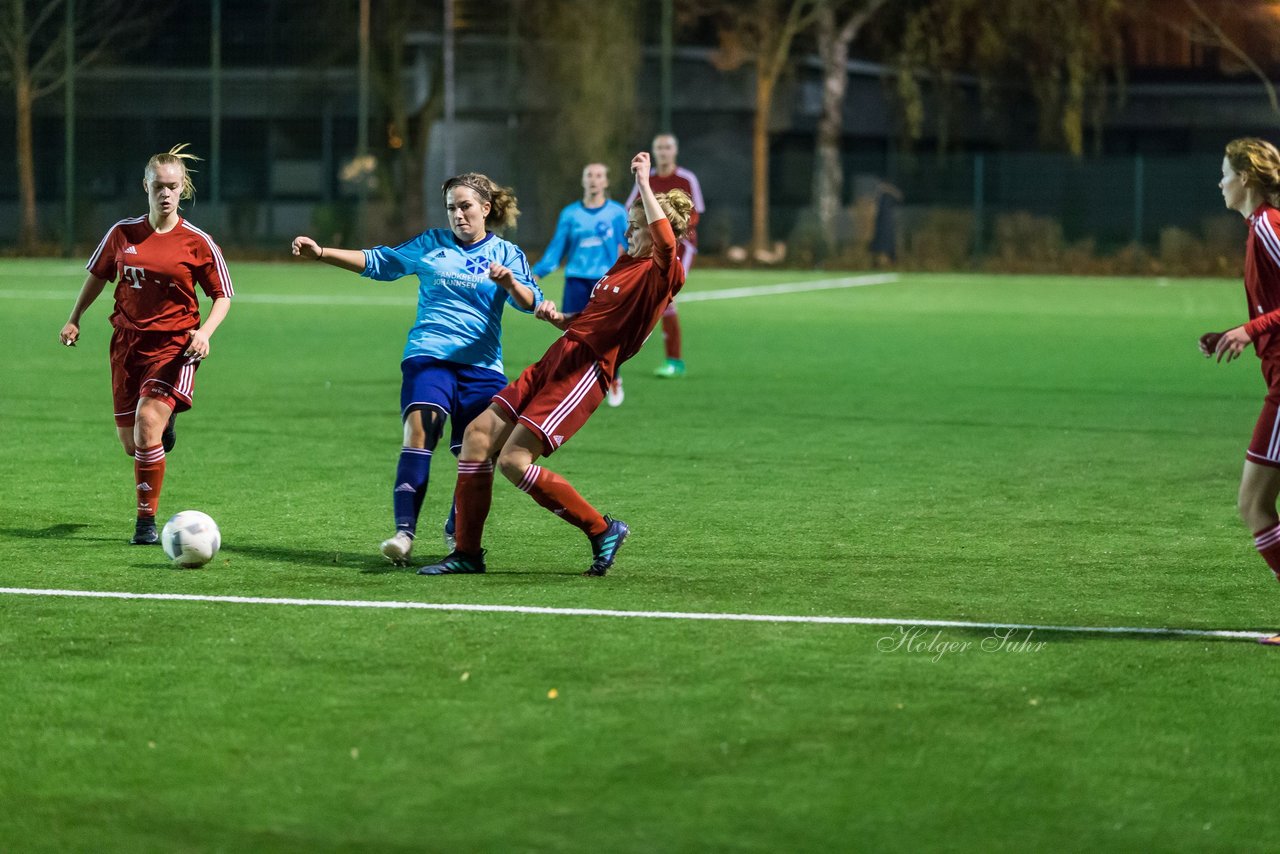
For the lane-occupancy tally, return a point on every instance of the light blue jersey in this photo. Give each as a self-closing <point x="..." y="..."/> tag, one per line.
<point x="589" y="238"/>
<point x="459" y="306"/>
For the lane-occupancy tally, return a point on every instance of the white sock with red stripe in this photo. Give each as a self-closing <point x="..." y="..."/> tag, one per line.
<point x="148" y="476"/>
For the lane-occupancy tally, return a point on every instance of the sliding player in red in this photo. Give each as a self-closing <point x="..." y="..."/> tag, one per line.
<point x="1251" y="186"/>
<point x="157" y="261"/>
<point x="554" y="397"/>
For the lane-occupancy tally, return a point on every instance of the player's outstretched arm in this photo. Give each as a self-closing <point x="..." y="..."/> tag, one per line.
<point x="346" y="259"/>
<point x="1232" y="343"/>
<point x="198" y="346"/>
<point x="640" y="167"/>
<point x="89" y="291"/>
<point x="547" y="311"/>
<point x="522" y="295"/>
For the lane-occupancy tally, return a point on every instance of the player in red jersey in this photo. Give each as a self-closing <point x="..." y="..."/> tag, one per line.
<point x="158" y="343"/>
<point x="554" y="397"/>
<point x="668" y="176"/>
<point x="1251" y="186"/>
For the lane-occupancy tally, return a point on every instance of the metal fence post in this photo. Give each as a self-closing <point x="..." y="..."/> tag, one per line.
<point x="1139" y="180"/>
<point x="979" y="186"/>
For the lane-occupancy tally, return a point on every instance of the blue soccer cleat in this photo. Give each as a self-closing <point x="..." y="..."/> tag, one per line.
<point x="604" y="547"/>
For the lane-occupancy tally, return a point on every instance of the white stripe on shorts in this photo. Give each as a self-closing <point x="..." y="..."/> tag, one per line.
<point x="592" y="377"/>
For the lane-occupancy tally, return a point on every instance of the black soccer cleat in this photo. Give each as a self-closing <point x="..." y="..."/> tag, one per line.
<point x="457" y="563"/>
<point x="604" y="547"/>
<point x="144" y="532"/>
<point x="169" y="438"/>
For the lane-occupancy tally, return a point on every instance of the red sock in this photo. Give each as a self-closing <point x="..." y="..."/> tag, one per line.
<point x="473" y="495"/>
<point x="1267" y="542"/>
<point x="671" y="335"/>
<point x="557" y="495"/>
<point x="148" y="474"/>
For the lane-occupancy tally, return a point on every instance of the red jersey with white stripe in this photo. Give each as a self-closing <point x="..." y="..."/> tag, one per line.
<point x="156" y="274"/>
<point x="680" y="179"/>
<point x="627" y="301"/>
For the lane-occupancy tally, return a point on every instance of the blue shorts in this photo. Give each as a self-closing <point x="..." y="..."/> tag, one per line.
<point x="576" y="293"/>
<point x="457" y="392"/>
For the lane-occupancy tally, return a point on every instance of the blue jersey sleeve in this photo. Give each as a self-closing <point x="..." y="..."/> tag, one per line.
<point x="519" y="266"/>
<point x="555" y="249"/>
<point x="385" y="264"/>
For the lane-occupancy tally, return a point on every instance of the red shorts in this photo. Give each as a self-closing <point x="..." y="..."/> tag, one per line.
<point x="556" y="395"/>
<point x="150" y="364"/>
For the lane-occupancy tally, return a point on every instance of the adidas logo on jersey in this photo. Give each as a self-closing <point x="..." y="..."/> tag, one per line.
<point x="404" y="487"/>
<point x="130" y="250"/>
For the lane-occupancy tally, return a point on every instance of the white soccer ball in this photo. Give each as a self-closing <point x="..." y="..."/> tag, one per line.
<point x="191" y="538"/>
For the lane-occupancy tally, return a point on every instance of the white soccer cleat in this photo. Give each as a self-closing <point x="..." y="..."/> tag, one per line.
<point x="398" y="549"/>
<point x="615" y="395"/>
<point x="450" y="543"/>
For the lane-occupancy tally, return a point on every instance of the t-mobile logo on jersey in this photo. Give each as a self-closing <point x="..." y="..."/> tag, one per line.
<point x="135" y="275"/>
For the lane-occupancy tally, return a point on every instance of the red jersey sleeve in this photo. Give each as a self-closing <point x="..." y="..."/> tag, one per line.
<point x="210" y="269"/>
<point x="103" y="261"/>
<point x="664" y="243"/>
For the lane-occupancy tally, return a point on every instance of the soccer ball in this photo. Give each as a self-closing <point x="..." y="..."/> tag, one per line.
<point x="190" y="539"/>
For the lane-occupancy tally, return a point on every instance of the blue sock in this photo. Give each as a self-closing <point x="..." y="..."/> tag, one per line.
<point x="451" y="524"/>
<point x="412" y="474"/>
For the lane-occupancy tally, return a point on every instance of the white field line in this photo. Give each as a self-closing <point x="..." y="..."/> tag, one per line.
<point x="790" y="288"/>
<point x="409" y="299"/>
<point x="644" y="615"/>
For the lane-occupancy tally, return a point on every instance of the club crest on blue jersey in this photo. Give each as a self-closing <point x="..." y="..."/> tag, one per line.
<point x="478" y="266"/>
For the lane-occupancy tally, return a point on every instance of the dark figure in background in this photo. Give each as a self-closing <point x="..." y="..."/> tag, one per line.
<point x="884" y="240"/>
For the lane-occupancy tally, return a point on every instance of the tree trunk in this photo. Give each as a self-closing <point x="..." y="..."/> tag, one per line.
<point x="30" y="229"/>
<point x="828" y="175"/>
<point x="760" y="162"/>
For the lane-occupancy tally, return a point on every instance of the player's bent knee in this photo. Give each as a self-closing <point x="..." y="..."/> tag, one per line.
<point x="513" y="466"/>
<point x="423" y="427"/>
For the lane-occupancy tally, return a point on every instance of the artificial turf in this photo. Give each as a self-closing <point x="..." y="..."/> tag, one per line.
<point x="952" y="447"/>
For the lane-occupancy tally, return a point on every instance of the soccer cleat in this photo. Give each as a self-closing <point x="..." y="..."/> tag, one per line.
<point x="604" y="546"/>
<point x="144" y="532"/>
<point x="672" y="368"/>
<point x="398" y="548"/>
<point x="1274" y="640"/>
<point x="614" y="396"/>
<point x="169" y="438"/>
<point x="457" y="563"/>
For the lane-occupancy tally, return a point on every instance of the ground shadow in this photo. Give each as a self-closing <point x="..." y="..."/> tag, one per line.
<point x="64" y="529"/>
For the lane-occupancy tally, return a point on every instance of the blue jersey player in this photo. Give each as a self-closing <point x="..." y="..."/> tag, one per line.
<point x="452" y="361"/>
<point x="590" y="235"/>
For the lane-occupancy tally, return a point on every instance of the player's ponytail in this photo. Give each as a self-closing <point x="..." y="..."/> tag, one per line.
<point x="503" y="207"/>
<point x="178" y="156"/>
<point x="1260" y="160"/>
<point x="678" y="207"/>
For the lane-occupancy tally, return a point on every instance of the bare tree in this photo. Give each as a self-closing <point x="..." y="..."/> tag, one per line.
<point x="759" y="32"/>
<point x="584" y="60"/>
<point x="838" y="24"/>
<point x="1063" y="52"/>
<point x="33" y="40"/>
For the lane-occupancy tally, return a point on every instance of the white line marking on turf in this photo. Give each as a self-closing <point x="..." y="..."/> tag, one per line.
<point x="647" y="615"/>
<point x="790" y="288"/>
<point x="409" y="299"/>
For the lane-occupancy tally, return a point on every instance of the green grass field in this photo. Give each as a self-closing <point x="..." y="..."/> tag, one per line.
<point x="969" y="448"/>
